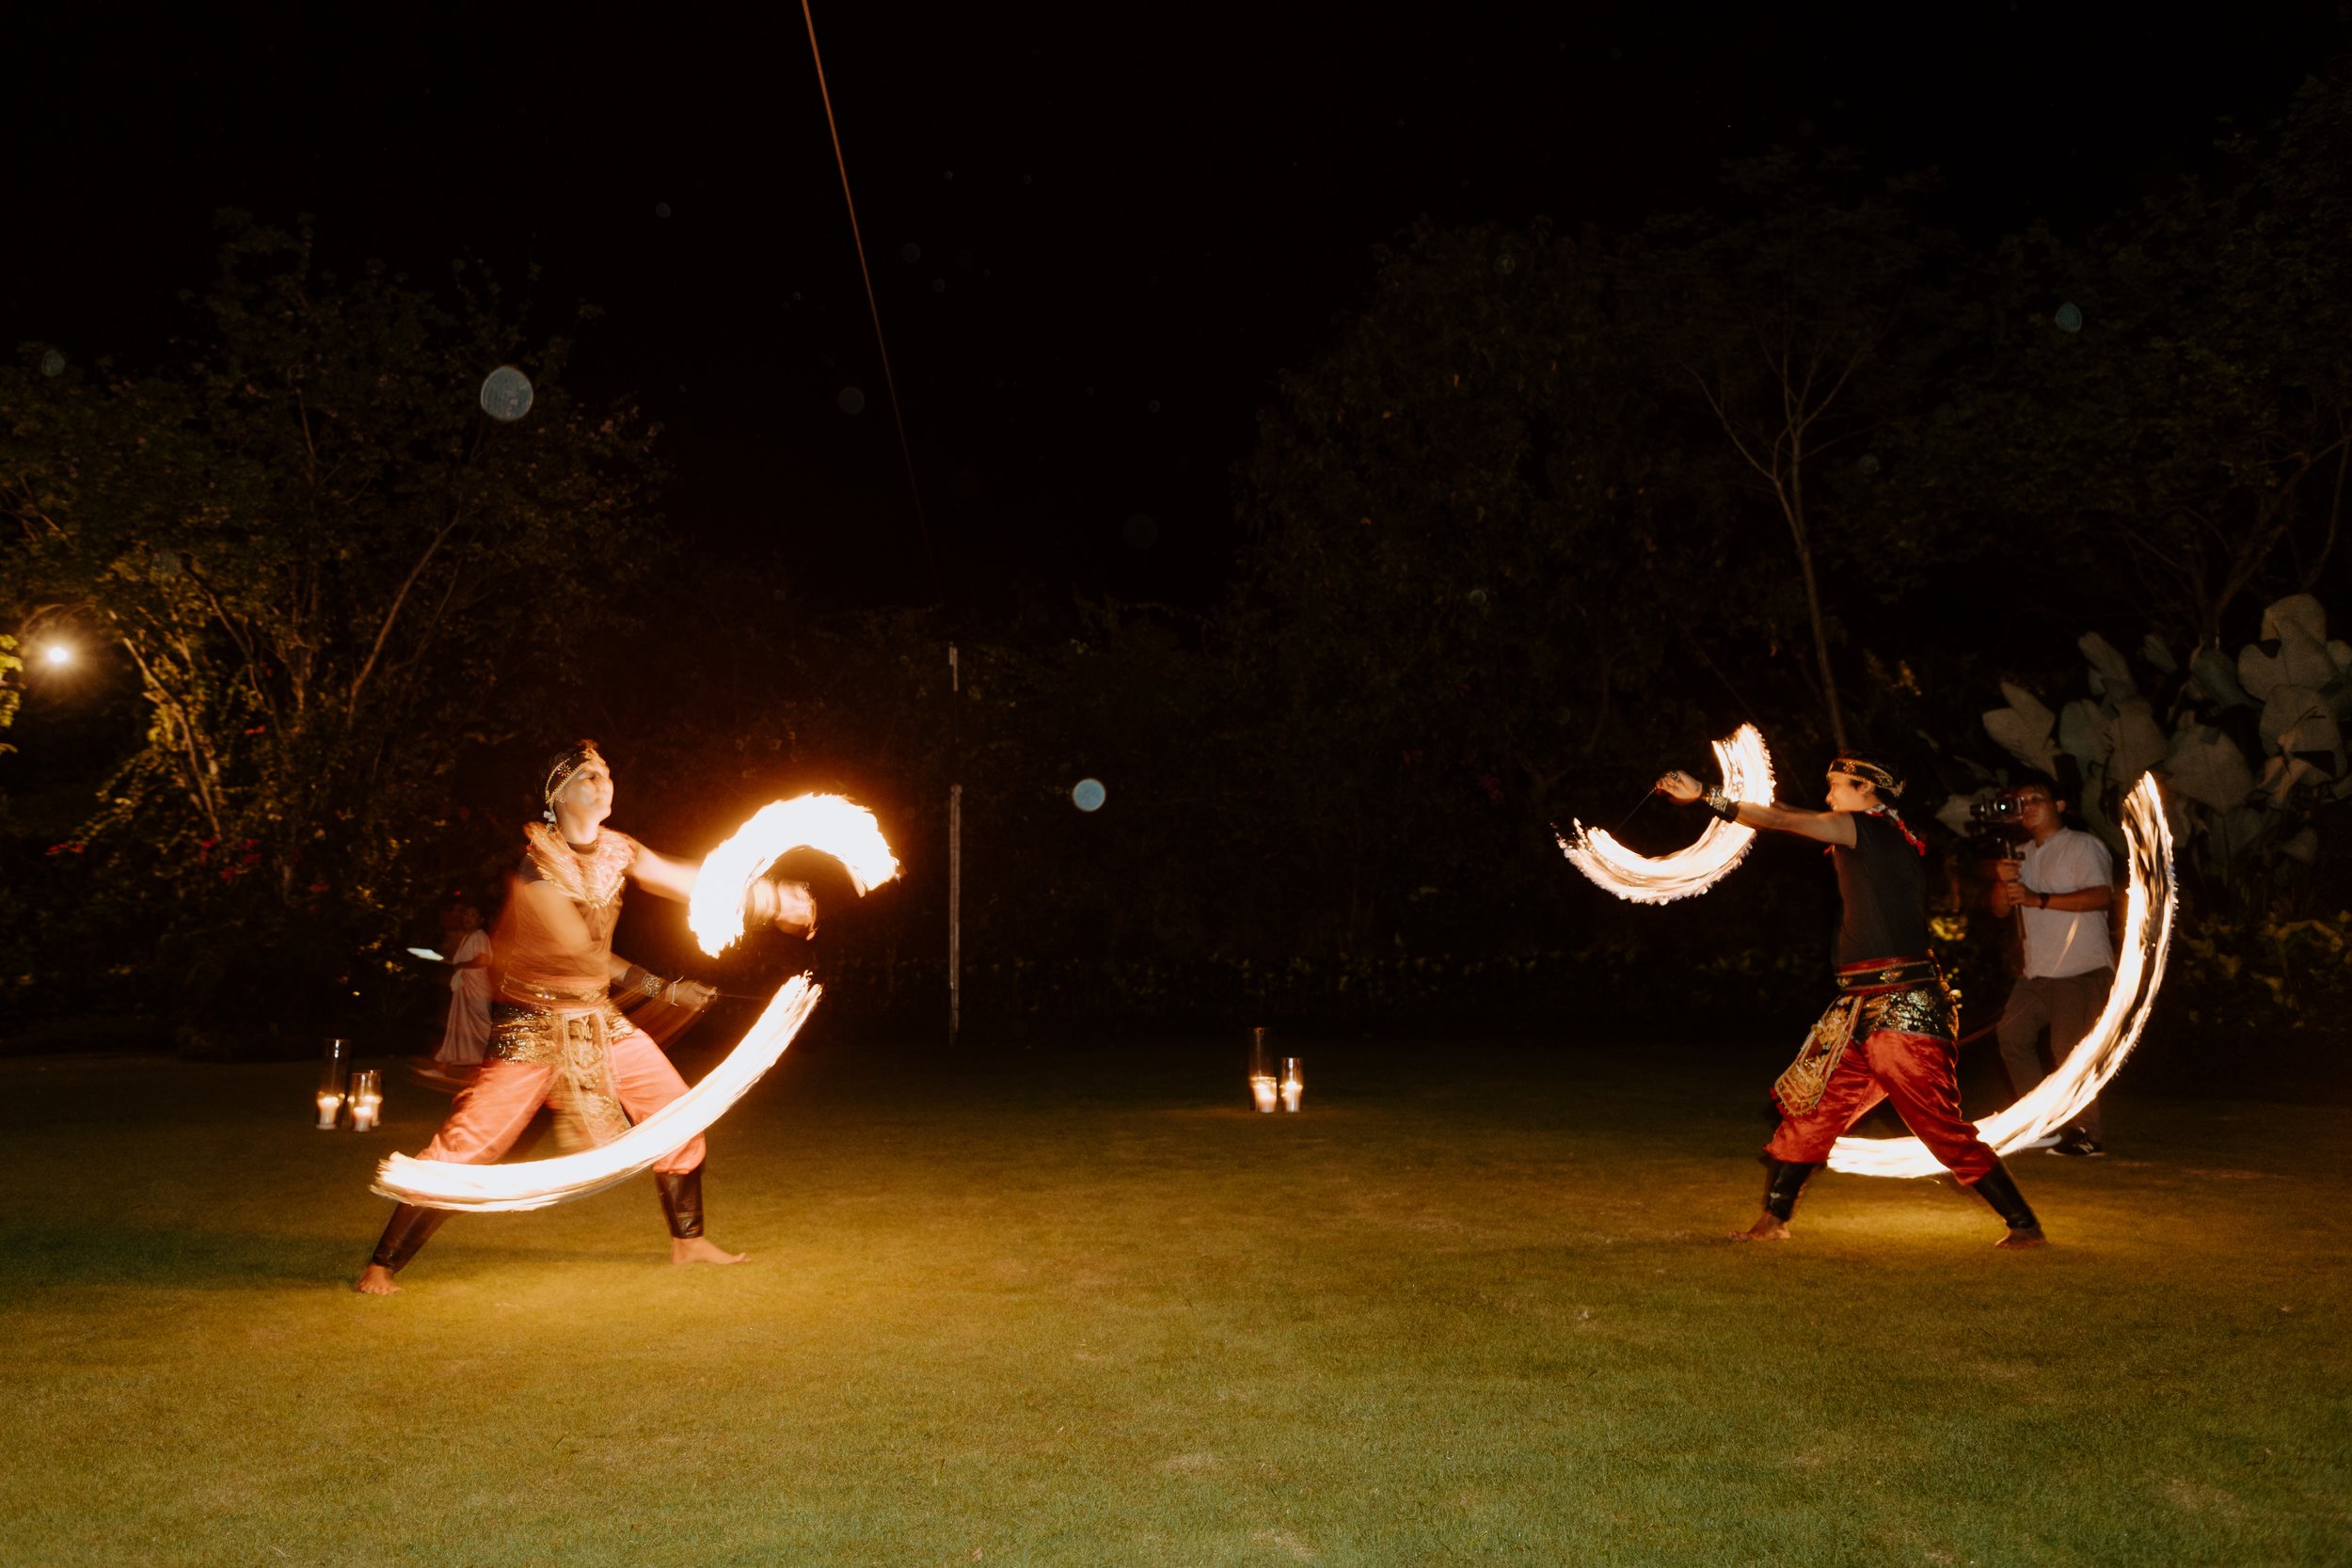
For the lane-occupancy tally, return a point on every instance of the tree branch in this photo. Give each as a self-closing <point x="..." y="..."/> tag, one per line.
<point x="392" y="612"/>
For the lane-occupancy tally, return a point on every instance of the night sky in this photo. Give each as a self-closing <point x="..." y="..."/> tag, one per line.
<point x="1097" y="237"/>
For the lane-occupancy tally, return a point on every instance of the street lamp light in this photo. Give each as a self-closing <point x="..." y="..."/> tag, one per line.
<point x="60" y="654"/>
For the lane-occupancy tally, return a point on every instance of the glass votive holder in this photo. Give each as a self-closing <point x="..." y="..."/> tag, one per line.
<point x="1262" y="1089"/>
<point x="367" y="1099"/>
<point x="334" y="1065"/>
<point x="1294" y="1082"/>
<point x="334" y="1068"/>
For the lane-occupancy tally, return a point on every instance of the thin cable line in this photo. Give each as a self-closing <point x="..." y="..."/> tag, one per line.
<point x="906" y="452"/>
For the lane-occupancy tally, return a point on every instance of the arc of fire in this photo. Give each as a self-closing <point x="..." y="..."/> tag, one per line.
<point x="1747" y="769"/>
<point x="2152" y="894"/>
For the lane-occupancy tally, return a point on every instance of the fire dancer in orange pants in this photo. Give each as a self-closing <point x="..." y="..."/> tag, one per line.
<point x="556" y="1035"/>
<point x="1891" y="1034"/>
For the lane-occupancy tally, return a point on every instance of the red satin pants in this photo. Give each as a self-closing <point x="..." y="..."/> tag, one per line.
<point x="491" y="1114"/>
<point x="1912" y="1070"/>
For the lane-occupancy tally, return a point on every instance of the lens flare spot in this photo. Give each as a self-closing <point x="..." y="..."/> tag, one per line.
<point x="506" y="395"/>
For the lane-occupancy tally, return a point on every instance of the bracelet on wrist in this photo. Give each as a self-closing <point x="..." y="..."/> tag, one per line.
<point x="1721" y="804"/>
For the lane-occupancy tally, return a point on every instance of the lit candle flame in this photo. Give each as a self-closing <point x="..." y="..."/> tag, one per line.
<point x="826" y="823"/>
<point x="2151" y="896"/>
<point x="1747" y="769"/>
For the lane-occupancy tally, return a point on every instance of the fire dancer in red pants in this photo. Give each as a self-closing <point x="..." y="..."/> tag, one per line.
<point x="557" y="1035"/>
<point x="1891" y="1034"/>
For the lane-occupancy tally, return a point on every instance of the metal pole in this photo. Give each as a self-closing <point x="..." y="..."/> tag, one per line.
<point x="955" y="868"/>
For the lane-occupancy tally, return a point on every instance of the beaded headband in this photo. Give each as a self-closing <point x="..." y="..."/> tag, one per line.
<point x="561" y="770"/>
<point x="1884" y="778"/>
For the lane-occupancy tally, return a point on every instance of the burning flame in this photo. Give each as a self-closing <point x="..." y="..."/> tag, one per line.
<point x="838" y="827"/>
<point x="2150" y="898"/>
<point x="827" y="823"/>
<point x="1747" y="769"/>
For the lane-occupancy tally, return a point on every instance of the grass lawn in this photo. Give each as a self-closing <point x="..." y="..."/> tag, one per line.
<point x="1082" y="1308"/>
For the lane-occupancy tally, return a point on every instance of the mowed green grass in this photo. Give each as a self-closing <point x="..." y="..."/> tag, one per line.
<point x="1471" y="1307"/>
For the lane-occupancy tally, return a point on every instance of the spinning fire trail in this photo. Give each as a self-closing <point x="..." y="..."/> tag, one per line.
<point x="2150" y="895"/>
<point x="1747" y="769"/>
<point x="2150" y="899"/>
<point x="826" y="823"/>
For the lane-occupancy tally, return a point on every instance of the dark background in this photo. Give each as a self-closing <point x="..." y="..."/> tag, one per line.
<point x="1097" y="246"/>
<point x="1125" y="225"/>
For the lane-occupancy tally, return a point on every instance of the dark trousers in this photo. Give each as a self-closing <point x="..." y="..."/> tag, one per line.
<point x="2064" y="1007"/>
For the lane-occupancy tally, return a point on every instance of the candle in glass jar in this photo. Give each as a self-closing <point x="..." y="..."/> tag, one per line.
<point x="1263" y="1090"/>
<point x="367" y="1099"/>
<point x="334" y="1076"/>
<point x="1294" y="1082"/>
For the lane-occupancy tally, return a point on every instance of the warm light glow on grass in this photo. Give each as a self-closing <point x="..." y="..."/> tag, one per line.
<point x="2151" y="892"/>
<point x="1747" y="769"/>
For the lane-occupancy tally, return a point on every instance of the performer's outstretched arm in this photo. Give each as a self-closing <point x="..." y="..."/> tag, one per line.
<point x="789" y="905"/>
<point x="1829" y="827"/>
<point x="659" y="874"/>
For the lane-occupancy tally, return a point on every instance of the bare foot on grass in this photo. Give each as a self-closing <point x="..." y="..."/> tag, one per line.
<point x="2017" y="1240"/>
<point x="699" y="1250"/>
<point x="377" y="1281"/>
<point x="1768" y="1227"/>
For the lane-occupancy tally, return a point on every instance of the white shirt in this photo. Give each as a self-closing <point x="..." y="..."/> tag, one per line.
<point x="2059" y="942"/>
<point x="470" y="983"/>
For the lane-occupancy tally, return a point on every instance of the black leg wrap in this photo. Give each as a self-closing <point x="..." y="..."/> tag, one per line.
<point x="411" y="1225"/>
<point x="1998" y="1188"/>
<point x="682" y="1201"/>
<point x="1783" y="1180"/>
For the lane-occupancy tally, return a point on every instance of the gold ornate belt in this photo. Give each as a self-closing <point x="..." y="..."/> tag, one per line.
<point x="1874" y="976"/>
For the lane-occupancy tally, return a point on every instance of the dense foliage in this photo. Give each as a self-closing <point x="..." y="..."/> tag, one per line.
<point x="327" y="573"/>
<point x="1548" y="510"/>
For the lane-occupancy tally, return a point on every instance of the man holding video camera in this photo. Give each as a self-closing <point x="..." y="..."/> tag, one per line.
<point x="2059" y="887"/>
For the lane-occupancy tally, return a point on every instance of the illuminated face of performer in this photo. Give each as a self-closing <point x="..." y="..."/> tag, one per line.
<point x="1847" y="793"/>
<point x="584" y="799"/>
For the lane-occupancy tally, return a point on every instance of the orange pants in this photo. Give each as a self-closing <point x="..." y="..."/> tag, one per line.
<point x="491" y="1114"/>
<point x="1912" y="1070"/>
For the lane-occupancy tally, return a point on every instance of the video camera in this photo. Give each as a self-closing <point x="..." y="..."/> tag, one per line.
<point x="1999" y="811"/>
<point x="2002" y="822"/>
